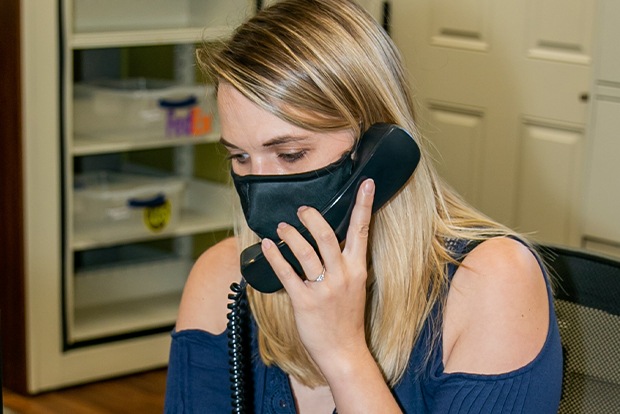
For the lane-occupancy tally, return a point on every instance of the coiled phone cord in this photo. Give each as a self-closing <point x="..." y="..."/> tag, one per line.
<point x="237" y="341"/>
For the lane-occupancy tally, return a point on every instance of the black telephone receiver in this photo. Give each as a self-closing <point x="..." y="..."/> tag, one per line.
<point x="386" y="153"/>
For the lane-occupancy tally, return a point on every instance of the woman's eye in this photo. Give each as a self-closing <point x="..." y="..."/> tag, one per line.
<point x="292" y="156"/>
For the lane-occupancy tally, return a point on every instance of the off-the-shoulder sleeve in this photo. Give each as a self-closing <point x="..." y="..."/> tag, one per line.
<point x="532" y="389"/>
<point x="197" y="380"/>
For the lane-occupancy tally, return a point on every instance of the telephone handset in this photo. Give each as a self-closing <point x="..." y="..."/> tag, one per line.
<point x="386" y="153"/>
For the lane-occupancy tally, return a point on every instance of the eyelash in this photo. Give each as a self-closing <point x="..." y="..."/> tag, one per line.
<point x="292" y="157"/>
<point x="286" y="157"/>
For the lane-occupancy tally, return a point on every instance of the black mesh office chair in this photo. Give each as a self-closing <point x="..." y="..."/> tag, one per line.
<point x="587" y="302"/>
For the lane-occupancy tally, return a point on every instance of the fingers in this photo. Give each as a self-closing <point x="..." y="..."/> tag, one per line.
<point x="329" y="247"/>
<point x="325" y="238"/>
<point x="303" y="251"/>
<point x="359" y="227"/>
<point x="285" y="272"/>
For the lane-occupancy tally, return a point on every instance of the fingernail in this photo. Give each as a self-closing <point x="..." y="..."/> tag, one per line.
<point x="282" y="225"/>
<point x="267" y="243"/>
<point x="301" y="209"/>
<point x="369" y="187"/>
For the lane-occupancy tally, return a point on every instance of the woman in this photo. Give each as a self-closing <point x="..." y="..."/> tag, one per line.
<point x="427" y="306"/>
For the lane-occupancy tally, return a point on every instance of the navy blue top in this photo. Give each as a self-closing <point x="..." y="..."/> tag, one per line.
<point x="198" y="379"/>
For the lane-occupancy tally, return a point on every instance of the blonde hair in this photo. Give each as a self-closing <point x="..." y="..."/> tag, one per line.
<point x="327" y="65"/>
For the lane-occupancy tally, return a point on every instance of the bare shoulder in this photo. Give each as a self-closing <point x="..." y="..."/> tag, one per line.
<point x="205" y="296"/>
<point x="497" y="312"/>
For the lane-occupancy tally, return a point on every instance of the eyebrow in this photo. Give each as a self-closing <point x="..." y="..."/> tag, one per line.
<point x="273" y="142"/>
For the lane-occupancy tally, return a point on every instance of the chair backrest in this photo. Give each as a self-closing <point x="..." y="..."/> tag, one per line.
<point x="587" y="303"/>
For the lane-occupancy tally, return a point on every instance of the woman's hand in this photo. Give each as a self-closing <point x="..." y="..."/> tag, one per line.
<point x="329" y="313"/>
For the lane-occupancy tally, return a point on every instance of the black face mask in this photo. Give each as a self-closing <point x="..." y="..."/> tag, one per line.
<point x="270" y="199"/>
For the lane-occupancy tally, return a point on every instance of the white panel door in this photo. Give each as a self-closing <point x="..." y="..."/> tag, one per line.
<point x="602" y="202"/>
<point x="500" y="87"/>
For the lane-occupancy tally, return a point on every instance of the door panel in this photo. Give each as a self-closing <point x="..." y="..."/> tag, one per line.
<point x="550" y="166"/>
<point x="608" y="69"/>
<point x="603" y="198"/>
<point x="451" y="28"/>
<point x="560" y="30"/>
<point x="457" y="141"/>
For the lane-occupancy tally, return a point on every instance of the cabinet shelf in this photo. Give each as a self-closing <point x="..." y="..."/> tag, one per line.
<point x="122" y="143"/>
<point x="128" y="288"/>
<point x="146" y="37"/>
<point x="122" y="318"/>
<point x="132" y="297"/>
<point x="207" y="208"/>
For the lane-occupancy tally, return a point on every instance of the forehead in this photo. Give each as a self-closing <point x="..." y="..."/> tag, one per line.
<point x="244" y="122"/>
<point x="251" y="128"/>
<point x="248" y="126"/>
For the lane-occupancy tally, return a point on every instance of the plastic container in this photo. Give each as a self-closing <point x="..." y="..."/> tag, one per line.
<point x="139" y="108"/>
<point x="122" y="205"/>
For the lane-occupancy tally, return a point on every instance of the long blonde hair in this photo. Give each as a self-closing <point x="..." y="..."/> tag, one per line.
<point x="327" y="65"/>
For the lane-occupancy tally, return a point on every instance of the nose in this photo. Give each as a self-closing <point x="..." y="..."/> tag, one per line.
<point x="261" y="166"/>
<point x="257" y="167"/>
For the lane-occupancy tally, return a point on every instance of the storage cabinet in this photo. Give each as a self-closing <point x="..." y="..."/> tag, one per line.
<point x="124" y="181"/>
<point x="133" y="200"/>
<point x="134" y="112"/>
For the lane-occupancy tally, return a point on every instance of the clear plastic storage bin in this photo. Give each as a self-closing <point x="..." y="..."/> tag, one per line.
<point x="140" y="108"/>
<point x="125" y="205"/>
